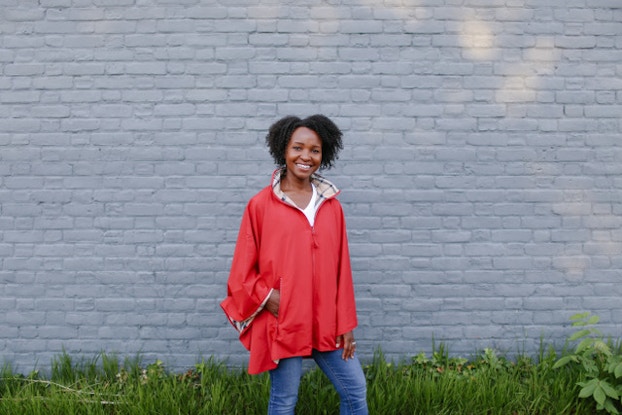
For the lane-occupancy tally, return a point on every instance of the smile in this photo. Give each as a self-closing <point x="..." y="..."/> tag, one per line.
<point x="303" y="166"/>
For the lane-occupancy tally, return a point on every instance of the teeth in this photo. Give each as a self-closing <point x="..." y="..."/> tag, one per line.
<point x="302" y="166"/>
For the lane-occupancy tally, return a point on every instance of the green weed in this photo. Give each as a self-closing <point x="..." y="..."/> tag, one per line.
<point x="487" y="383"/>
<point x="599" y="362"/>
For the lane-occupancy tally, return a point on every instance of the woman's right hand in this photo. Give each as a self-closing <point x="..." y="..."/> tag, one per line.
<point x="272" y="305"/>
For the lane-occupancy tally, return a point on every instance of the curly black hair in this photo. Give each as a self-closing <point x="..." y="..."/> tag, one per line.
<point x="281" y="132"/>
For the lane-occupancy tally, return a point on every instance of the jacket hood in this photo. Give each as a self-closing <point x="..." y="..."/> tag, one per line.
<point x="325" y="189"/>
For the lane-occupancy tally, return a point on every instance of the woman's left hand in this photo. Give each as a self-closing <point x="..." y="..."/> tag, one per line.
<point x="349" y="345"/>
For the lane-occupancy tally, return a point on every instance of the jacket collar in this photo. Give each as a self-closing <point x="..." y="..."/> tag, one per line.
<point x="325" y="189"/>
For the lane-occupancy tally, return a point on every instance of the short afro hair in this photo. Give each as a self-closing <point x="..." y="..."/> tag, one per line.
<point x="281" y="132"/>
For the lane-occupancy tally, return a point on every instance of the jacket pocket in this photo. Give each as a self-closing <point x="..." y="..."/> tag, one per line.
<point x="282" y="302"/>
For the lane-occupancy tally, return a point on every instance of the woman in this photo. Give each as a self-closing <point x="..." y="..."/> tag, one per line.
<point x="290" y="292"/>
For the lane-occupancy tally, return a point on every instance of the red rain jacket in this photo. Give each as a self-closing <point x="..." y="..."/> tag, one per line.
<point x="278" y="249"/>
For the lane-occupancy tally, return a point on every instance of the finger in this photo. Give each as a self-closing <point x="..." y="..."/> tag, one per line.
<point x="338" y="341"/>
<point x="348" y="350"/>
<point x="345" y="353"/>
<point x="352" y="348"/>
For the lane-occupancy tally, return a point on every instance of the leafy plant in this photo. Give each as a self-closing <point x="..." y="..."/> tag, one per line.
<point x="600" y="361"/>
<point x="439" y="384"/>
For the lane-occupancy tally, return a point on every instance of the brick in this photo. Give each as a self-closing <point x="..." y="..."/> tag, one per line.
<point x="24" y="69"/>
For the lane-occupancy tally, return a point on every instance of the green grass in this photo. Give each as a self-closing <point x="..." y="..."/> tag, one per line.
<point x="435" y="384"/>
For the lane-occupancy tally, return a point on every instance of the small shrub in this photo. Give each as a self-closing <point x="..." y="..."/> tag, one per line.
<point x="600" y="362"/>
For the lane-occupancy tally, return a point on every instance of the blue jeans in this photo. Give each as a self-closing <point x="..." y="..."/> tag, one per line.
<point x="346" y="376"/>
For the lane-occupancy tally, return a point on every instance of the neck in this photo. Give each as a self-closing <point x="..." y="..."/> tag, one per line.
<point x="291" y="183"/>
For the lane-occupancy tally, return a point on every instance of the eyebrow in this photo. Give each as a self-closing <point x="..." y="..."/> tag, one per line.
<point x="301" y="143"/>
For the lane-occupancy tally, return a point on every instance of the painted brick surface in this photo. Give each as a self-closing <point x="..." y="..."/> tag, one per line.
<point x="481" y="174"/>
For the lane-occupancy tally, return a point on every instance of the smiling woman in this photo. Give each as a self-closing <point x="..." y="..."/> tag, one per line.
<point x="281" y="132"/>
<point x="303" y="157"/>
<point x="290" y="292"/>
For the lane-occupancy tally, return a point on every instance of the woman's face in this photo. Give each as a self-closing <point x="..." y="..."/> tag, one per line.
<point x="303" y="155"/>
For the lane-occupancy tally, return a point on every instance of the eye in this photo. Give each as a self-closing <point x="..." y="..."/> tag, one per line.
<point x="316" y="151"/>
<point x="297" y="148"/>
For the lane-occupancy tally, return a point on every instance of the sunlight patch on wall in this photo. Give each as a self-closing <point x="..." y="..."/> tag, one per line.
<point x="477" y="39"/>
<point x="525" y="75"/>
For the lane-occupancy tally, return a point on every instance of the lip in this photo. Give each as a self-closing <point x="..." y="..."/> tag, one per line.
<point x="304" y="167"/>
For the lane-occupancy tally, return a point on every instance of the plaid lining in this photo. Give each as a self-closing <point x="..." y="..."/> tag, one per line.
<point x="325" y="189"/>
<point x="241" y="325"/>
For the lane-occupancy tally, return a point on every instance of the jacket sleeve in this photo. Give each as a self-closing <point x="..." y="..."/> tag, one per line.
<point x="247" y="293"/>
<point x="346" y="306"/>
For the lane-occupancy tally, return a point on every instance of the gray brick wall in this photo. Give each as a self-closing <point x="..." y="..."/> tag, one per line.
<point x="482" y="173"/>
